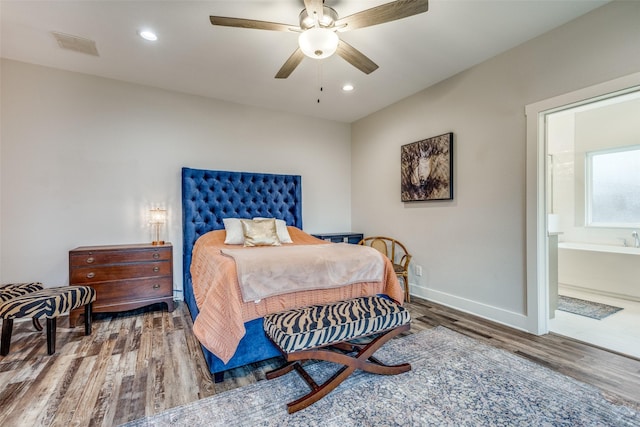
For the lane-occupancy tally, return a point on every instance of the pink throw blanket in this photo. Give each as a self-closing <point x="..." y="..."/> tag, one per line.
<point x="269" y="271"/>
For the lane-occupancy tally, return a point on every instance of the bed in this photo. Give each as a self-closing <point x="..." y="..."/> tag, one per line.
<point x="210" y="196"/>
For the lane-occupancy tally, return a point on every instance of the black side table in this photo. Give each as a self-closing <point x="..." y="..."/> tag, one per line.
<point x="341" y="237"/>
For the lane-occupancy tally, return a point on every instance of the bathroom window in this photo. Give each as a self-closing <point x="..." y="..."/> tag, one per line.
<point x="613" y="187"/>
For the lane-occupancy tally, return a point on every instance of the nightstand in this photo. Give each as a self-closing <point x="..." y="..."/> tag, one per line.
<point x="125" y="277"/>
<point x="340" y="237"/>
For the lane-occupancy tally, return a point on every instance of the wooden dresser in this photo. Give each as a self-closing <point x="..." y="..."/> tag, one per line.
<point x="124" y="276"/>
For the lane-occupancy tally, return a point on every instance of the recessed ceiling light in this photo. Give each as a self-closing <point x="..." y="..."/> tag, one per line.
<point x="348" y="87"/>
<point x="148" y="35"/>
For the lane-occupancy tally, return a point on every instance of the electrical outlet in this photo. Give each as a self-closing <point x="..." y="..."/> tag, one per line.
<point x="418" y="270"/>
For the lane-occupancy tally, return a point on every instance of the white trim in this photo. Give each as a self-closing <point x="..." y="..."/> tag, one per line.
<point x="536" y="236"/>
<point x="495" y="314"/>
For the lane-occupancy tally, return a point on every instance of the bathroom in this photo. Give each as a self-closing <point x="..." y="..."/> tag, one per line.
<point x="593" y="199"/>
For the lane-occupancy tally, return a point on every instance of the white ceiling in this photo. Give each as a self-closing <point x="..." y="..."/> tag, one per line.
<point x="239" y="65"/>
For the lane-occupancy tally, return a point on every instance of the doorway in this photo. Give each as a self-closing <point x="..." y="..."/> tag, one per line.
<point x="593" y="209"/>
<point x="551" y="183"/>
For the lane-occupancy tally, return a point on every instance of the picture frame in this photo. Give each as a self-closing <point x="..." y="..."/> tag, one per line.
<point x="426" y="169"/>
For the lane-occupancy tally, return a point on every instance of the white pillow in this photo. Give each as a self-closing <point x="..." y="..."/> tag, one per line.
<point x="235" y="234"/>
<point x="281" y="229"/>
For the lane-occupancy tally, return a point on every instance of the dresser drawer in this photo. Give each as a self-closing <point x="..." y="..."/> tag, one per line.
<point x="89" y="275"/>
<point x="86" y="258"/>
<point x="130" y="290"/>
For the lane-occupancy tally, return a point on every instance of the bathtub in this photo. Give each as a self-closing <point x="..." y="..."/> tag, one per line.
<point x="602" y="269"/>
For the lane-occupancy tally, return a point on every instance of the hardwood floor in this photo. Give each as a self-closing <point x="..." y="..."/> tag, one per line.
<point x="143" y="362"/>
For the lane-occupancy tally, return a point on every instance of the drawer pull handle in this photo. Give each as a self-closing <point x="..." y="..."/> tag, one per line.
<point x="91" y="275"/>
<point x="156" y="269"/>
<point x="156" y="255"/>
<point x="90" y="260"/>
<point x="156" y="286"/>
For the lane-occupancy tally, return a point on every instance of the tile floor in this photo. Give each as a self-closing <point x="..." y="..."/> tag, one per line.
<point x="619" y="332"/>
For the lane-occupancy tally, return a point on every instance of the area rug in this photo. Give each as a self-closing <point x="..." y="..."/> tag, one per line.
<point x="594" y="310"/>
<point x="455" y="381"/>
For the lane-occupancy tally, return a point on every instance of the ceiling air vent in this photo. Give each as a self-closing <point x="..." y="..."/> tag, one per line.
<point x="79" y="44"/>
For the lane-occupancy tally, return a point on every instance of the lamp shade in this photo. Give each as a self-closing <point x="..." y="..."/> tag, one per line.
<point x="157" y="216"/>
<point x="318" y="43"/>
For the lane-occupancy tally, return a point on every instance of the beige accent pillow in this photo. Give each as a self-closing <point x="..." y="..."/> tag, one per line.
<point x="281" y="229"/>
<point x="260" y="232"/>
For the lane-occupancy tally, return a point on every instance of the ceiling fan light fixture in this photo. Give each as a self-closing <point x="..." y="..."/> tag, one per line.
<point x="318" y="43"/>
<point x="328" y="19"/>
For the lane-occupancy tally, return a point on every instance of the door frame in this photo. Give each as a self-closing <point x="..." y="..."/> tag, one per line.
<point x="536" y="187"/>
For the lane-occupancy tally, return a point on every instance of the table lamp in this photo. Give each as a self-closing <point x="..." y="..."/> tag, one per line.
<point x="157" y="217"/>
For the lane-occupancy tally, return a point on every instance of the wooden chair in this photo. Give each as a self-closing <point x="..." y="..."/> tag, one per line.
<point x="397" y="253"/>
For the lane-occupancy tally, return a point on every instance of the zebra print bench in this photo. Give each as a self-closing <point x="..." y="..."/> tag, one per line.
<point x="49" y="303"/>
<point x="13" y="290"/>
<point x="329" y="332"/>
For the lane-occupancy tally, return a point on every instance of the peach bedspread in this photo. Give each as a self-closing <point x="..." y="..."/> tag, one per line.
<point x="220" y="324"/>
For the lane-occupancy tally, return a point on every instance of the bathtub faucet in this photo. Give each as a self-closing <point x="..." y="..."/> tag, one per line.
<point x="637" y="239"/>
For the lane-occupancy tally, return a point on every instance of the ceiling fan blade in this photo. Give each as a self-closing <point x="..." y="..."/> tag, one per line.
<point x="250" y="23"/>
<point x="384" y="13"/>
<point x="356" y="58"/>
<point x="314" y="6"/>
<point x="294" y="60"/>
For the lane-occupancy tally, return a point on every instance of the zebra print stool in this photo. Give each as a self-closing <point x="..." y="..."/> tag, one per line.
<point x="49" y="303"/>
<point x="12" y="290"/>
<point x="328" y="332"/>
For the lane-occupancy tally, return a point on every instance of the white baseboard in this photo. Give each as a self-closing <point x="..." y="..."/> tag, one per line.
<point x="599" y="292"/>
<point x="499" y="315"/>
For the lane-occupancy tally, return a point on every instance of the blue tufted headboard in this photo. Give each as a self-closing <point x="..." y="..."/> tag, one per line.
<point x="209" y="196"/>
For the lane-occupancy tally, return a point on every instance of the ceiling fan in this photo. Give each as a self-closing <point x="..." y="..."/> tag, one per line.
<point x="318" y="29"/>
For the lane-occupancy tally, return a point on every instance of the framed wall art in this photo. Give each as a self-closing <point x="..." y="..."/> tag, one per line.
<point x="427" y="169"/>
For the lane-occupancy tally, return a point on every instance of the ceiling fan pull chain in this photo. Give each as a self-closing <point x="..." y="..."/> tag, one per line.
<point x="320" y="78"/>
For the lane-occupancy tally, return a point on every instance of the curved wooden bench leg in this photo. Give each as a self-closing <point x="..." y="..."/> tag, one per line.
<point x="36" y="323"/>
<point x="284" y="369"/>
<point x="321" y="391"/>
<point x="363" y="360"/>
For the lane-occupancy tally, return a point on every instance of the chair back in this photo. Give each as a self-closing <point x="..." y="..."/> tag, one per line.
<point x="397" y="253"/>
<point x="391" y="248"/>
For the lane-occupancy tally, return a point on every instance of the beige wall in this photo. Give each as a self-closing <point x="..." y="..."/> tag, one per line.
<point x="83" y="159"/>
<point x="472" y="249"/>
